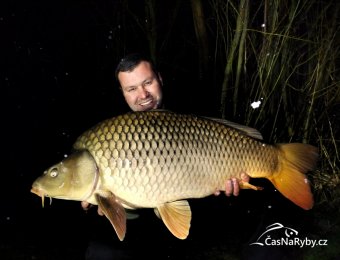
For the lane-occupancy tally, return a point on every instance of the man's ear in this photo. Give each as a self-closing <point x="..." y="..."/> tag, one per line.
<point x="160" y="78"/>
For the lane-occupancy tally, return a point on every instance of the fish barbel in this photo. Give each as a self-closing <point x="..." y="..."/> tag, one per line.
<point x="159" y="159"/>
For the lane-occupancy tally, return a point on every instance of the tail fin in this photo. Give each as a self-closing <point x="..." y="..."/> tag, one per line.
<point x="295" y="160"/>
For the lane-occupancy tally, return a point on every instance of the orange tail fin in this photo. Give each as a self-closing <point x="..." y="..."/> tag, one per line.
<point x="295" y="160"/>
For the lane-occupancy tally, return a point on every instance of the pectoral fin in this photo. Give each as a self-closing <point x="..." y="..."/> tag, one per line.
<point x="114" y="211"/>
<point x="176" y="216"/>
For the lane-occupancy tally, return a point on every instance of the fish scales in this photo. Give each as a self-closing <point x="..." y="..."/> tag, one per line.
<point x="184" y="155"/>
<point x="158" y="159"/>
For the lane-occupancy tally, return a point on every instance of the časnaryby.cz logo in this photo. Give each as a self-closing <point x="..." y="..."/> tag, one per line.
<point x="278" y="235"/>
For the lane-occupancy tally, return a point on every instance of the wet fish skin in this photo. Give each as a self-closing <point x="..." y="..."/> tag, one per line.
<point x="154" y="162"/>
<point x="157" y="159"/>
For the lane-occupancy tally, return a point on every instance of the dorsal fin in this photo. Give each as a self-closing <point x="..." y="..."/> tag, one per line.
<point x="177" y="217"/>
<point x="114" y="211"/>
<point x="249" y="131"/>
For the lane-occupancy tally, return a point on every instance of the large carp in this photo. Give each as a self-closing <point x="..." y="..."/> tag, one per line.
<point x="158" y="159"/>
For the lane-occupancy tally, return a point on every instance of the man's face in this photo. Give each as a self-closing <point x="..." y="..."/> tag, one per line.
<point x="141" y="87"/>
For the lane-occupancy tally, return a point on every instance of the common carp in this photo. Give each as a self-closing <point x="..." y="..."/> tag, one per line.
<point x="159" y="159"/>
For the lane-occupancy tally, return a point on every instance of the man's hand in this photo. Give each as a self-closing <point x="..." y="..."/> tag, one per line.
<point x="86" y="206"/>
<point x="232" y="186"/>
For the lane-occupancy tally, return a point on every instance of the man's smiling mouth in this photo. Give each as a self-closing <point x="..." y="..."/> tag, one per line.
<point x="145" y="103"/>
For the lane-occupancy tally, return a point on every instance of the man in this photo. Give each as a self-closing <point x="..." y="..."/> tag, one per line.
<point x="141" y="85"/>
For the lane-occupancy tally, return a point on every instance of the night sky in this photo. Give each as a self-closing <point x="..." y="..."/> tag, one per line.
<point x="56" y="77"/>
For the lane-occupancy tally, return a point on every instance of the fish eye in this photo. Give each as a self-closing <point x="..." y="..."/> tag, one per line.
<point x="54" y="172"/>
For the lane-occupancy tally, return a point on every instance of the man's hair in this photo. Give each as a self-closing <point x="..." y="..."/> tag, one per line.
<point x="131" y="61"/>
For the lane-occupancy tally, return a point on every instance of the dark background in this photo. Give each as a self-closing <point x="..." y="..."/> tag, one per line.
<point x="58" y="59"/>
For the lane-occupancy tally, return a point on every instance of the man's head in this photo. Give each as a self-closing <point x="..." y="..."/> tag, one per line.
<point x="140" y="82"/>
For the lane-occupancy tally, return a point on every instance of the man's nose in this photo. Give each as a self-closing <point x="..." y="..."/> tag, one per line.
<point x="143" y="93"/>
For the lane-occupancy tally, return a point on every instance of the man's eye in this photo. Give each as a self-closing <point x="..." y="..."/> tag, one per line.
<point x="131" y="89"/>
<point x="148" y="82"/>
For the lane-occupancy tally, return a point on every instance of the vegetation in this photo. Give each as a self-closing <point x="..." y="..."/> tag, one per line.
<point x="291" y="66"/>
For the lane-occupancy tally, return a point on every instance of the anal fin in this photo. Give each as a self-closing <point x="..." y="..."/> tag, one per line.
<point x="177" y="217"/>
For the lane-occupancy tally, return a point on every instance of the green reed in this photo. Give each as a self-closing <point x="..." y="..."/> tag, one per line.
<point x="285" y="55"/>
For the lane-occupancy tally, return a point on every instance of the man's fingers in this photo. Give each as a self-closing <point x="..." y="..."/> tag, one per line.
<point x="100" y="212"/>
<point x="228" y="188"/>
<point x="245" y="177"/>
<point x="85" y="205"/>
<point x="236" y="187"/>
<point x="217" y="192"/>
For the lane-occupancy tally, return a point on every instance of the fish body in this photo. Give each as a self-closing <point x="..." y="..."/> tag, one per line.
<point x="158" y="159"/>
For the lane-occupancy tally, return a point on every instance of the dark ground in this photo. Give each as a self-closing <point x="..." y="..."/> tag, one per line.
<point x="222" y="228"/>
